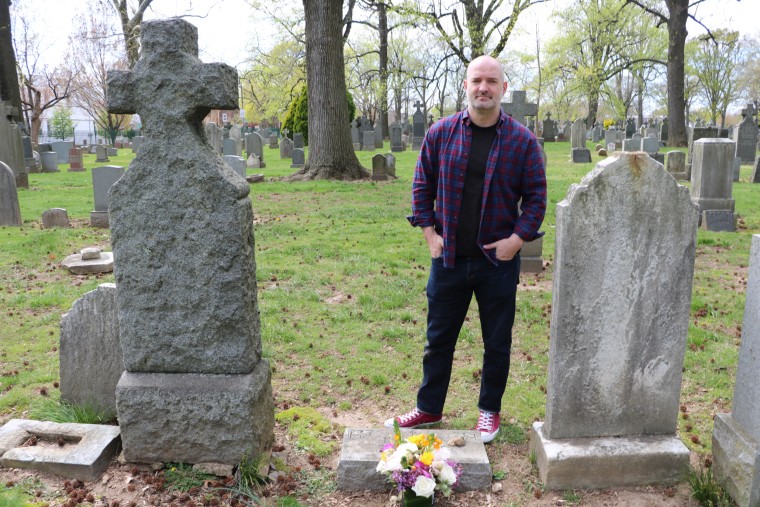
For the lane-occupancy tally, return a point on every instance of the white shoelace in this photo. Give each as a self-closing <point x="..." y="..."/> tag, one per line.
<point x="409" y="416"/>
<point x="485" y="421"/>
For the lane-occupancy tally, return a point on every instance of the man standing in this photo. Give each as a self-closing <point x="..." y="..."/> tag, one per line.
<point x="473" y="170"/>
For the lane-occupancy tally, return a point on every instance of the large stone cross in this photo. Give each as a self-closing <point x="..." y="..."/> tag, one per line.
<point x="169" y="87"/>
<point x="518" y="108"/>
<point x="419" y="106"/>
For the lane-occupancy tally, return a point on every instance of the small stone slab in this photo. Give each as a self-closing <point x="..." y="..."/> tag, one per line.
<point x="360" y="453"/>
<point x="718" y="220"/>
<point x="79" y="266"/>
<point x="581" y="155"/>
<point x="55" y="217"/>
<point x="735" y="457"/>
<point x="608" y="462"/>
<point x="87" y="449"/>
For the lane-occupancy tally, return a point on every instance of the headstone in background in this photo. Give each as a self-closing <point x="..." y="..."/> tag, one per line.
<point x="298" y="158"/>
<point x="236" y="163"/>
<point x="650" y="145"/>
<point x="581" y="155"/>
<point x="630" y="127"/>
<point x="137" y="142"/>
<point x="256" y="147"/>
<point x="12" y="145"/>
<point x="736" y="436"/>
<point x="664" y="131"/>
<point x="236" y="134"/>
<point x="49" y="161"/>
<point x="755" y="178"/>
<point x="298" y="140"/>
<point x="55" y="217"/>
<point x="230" y="147"/>
<point x="91" y="362"/>
<point x="30" y="163"/>
<point x="737" y="168"/>
<point x="675" y="164"/>
<point x="596" y="134"/>
<point x="112" y="152"/>
<point x="610" y="137"/>
<point x="75" y="160"/>
<point x="712" y="174"/>
<point x="273" y="141"/>
<point x="214" y="136"/>
<point x="718" y="220"/>
<point x="196" y="388"/>
<point x="418" y="127"/>
<point x="368" y="141"/>
<point x="631" y="145"/>
<point x="617" y="339"/>
<point x="651" y="132"/>
<point x="567" y="130"/>
<point x="62" y="149"/>
<point x="93" y="149"/>
<point x="745" y="135"/>
<point x="390" y="165"/>
<point x="101" y="153"/>
<point x="355" y="132"/>
<point x="253" y="162"/>
<point x="700" y="132"/>
<point x="286" y="148"/>
<point x="103" y="178"/>
<point x="10" y="213"/>
<point x="396" y="145"/>
<point x="518" y="108"/>
<point x="379" y="168"/>
<point x="549" y="132"/>
<point x="378" y="136"/>
<point x="531" y="260"/>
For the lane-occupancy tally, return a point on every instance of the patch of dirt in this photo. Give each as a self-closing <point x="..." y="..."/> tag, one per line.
<point x="135" y="485"/>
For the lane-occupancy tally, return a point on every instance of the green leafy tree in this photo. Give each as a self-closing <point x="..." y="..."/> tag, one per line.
<point x="297" y="119"/>
<point x="61" y="124"/>
<point x="715" y="63"/>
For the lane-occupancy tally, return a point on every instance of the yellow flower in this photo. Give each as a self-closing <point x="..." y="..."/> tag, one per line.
<point x="396" y="437"/>
<point x="427" y="458"/>
<point x="415" y="439"/>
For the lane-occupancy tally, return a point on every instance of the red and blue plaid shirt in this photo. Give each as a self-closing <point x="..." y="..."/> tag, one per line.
<point x="515" y="170"/>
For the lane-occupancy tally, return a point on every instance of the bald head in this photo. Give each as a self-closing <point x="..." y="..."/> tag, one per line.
<point x="485" y="86"/>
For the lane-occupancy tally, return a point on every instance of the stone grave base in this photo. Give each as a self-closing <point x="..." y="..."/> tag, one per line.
<point x="360" y="453"/>
<point x="194" y="417"/>
<point x="716" y="203"/>
<point x="736" y="461"/>
<point x="86" y="451"/>
<point x="99" y="219"/>
<point x="78" y="266"/>
<point x="718" y="220"/>
<point x="581" y="155"/>
<point x="530" y="256"/>
<point x="608" y="462"/>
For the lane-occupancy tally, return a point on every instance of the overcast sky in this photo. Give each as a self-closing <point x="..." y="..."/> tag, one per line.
<point x="228" y="28"/>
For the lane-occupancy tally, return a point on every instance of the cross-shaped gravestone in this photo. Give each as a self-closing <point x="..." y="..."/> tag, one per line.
<point x="195" y="388"/>
<point x="518" y="108"/>
<point x="419" y="106"/>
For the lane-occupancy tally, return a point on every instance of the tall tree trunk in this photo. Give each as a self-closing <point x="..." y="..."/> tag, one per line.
<point x="593" y="106"/>
<point x="331" y="152"/>
<point x="679" y="13"/>
<point x="9" y="89"/>
<point x="382" y="30"/>
<point x="640" y="100"/>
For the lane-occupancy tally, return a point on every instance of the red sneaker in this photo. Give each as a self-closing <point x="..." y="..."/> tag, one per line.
<point x="414" y="419"/>
<point x="488" y="425"/>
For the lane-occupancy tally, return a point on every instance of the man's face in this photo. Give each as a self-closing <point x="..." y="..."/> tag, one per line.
<point x="485" y="85"/>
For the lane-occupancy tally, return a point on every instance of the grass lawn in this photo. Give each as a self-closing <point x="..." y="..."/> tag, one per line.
<point x="341" y="279"/>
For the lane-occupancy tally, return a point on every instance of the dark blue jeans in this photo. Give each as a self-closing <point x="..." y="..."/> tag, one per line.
<point x="449" y="292"/>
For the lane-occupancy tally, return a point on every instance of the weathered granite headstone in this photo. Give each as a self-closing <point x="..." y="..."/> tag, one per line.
<point x="101" y="153"/>
<point x="86" y="453"/>
<point x="379" y="168"/>
<point x="30" y="162"/>
<point x="745" y="135"/>
<point x="378" y="136"/>
<point x="196" y="388"/>
<point x="55" y="217"/>
<point x="214" y="136"/>
<point x="736" y="169"/>
<point x="12" y="146"/>
<point x="610" y="137"/>
<point x="236" y="133"/>
<point x="531" y="260"/>
<point x="62" y="149"/>
<point x="418" y="127"/>
<point x="286" y="148"/>
<point x="756" y="172"/>
<point x="618" y="336"/>
<point x="518" y="108"/>
<point x="581" y="155"/>
<point x="237" y="164"/>
<point x="10" y="213"/>
<point x="700" y="132"/>
<point x="359" y="454"/>
<point x="390" y="165"/>
<point x="631" y="145"/>
<point x="368" y="141"/>
<point x="650" y="145"/>
<point x="49" y="161"/>
<point x="630" y="127"/>
<point x="253" y="162"/>
<point x="596" y="134"/>
<point x="90" y="354"/>
<point x="273" y="141"/>
<point x="75" y="160"/>
<point x="549" y="129"/>
<point x="664" y="131"/>
<point x="712" y="174"/>
<point x="112" y="152"/>
<point x="103" y="178"/>
<point x="230" y="147"/>
<point x="255" y="145"/>
<point x="718" y="220"/>
<point x="396" y="145"/>
<point x="675" y="164"/>
<point x="736" y="436"/>
<point x="298" y="158"/>
<point x="298" y="140"/>
<point x="137" y="142"/>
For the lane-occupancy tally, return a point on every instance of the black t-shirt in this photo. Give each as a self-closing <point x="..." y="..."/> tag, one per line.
<point x="472" y="194"/>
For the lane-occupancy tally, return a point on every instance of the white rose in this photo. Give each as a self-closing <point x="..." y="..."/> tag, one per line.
<point x="424" y="486"/>
<point x="382" y="466"/>
<point x="448" y="475"/>
<point x="394" y="462"/>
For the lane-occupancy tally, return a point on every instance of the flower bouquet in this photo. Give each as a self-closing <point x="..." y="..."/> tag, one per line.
<point x="418" y="466"/>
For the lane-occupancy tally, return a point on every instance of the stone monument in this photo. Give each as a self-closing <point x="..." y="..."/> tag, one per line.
<point x="618" y="334"/>
<point x="712" y="178"/>
<point x="10" y="213"/>
<point x="196" y="388"/>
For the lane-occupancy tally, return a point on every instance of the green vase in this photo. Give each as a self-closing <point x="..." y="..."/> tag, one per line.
<point x="410" y="499"/>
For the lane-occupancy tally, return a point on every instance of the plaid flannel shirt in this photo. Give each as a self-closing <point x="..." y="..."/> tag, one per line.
<point x="514" y="170"/>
